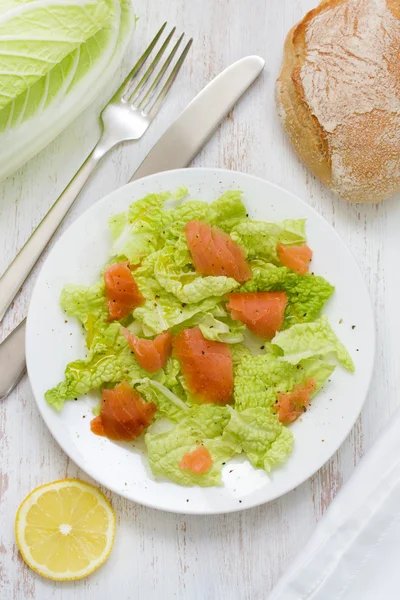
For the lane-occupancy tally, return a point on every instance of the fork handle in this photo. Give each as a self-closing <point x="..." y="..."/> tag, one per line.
<point x="23" y="263"/>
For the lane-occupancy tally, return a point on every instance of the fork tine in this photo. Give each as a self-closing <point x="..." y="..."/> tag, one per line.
<point x="131" y="76"/>
<point x="135" y="93"/>
<point x="150" y="93"/>
<point x="167" y="86"/>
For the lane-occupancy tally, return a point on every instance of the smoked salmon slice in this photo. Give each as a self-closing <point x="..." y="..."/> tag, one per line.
<point x="122" y="292"/>
<point x="124" y="415"/>
<point x="199" y="461"/>
<point x="296" y="258"/>
<point x="215" y="253"/>
<point x="292" y="405"/>
<point x="152" y="355"/>
<point x="206" y="366"/>
<point x="262" y="312"/>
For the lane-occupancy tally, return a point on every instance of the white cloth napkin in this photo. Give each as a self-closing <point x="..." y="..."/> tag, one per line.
<point x="354" y="553"/>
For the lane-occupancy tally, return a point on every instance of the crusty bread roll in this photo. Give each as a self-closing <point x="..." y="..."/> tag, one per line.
<point x="338" y="95"/>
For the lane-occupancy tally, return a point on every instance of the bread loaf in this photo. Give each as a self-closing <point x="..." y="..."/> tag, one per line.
<point x="338" y="95"/>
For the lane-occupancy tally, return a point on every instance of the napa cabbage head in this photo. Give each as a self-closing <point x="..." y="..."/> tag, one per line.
<point x="55" y="57"/>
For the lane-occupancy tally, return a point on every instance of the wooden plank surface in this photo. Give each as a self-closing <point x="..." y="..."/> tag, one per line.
<point x="159" y="555"/>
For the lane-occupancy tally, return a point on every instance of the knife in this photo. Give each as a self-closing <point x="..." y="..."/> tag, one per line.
<point x="175" y="149"/>
<point x="187" y="135"/>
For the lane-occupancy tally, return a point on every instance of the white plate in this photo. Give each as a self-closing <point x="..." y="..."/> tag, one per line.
<point x="51" y="343"/>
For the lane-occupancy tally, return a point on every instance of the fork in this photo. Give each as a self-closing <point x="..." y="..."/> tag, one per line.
<point x="126" y="117"/>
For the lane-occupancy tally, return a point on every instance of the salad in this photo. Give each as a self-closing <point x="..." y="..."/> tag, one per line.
<point x="204" y="334"/>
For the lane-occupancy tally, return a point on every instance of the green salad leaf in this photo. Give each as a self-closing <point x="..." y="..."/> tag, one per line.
<point x="109" y="360"/>
<point x="239" y="353"/>
<point x="82" y="301"/>
<point x="258" y="379"/>
<point x="204" y="425"/>
<point x="309" y="340"/>
<point x="307" y="294"/>
<point x="137" y="232"/>
<point x="169" y="405"/>
<point x="162" y="310"/>
<point x="227" y="211"/>
<point x="174" y="272"/>
<point x="224" y="330"/>
<point x="260" y="239"/>
<point x="261" y="436"/>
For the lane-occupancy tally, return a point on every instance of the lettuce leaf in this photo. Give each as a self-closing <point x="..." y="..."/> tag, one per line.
<point x="162" y="309"/>
<point x="260" y="239"/>
<point x="261" y="436"/>
<point x="149" y="225"/>
<point x="88" y="304"/>
<point x="307" y="294"/>
<point x="227" y="211"/>
<point x="169" y="405"/>
<point x="109" y="360"/>
<point x="204" y="425"/>
<point x="82" y="301"/>
<point x="258" y="379"/>
<point x="227" y="330"/>
<point x="137" y="232"/>
<point x="239" y="354"/>
<point x="308" y="340"/>
<point x="174" y="271"/>
<point x="215" y="325"/>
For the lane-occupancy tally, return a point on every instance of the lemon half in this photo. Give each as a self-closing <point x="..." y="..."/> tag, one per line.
<point x="65" y="529"/>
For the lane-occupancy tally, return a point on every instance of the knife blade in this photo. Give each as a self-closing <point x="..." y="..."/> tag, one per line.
<point x="175" y="149"/>
<point x="187" y="135"/>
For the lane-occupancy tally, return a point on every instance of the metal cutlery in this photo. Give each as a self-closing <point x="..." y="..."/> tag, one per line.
<point x="126" y="117"/>
<point x="190" y="131"/>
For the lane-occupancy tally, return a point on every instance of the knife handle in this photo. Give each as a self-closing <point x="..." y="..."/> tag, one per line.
<point x="12" y="359"/>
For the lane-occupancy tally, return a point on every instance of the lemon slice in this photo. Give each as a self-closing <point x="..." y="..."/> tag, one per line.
<point x="65" y="529"/>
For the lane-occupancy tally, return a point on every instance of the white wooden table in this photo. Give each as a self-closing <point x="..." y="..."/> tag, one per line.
<point x="157" y="555"/>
